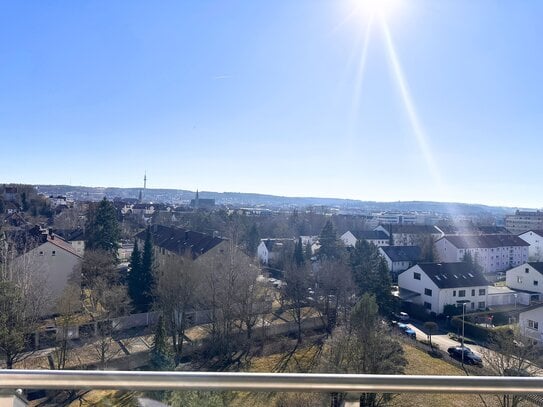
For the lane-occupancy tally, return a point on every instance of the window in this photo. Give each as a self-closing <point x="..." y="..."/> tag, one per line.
<point x="482" y="291"/>
<point x="519" y="279"/>
<point x="427" y="305"/>
<point x="428" y="292"/>
<point x="526" y="270"/>
<point x="481" y="305"/>
<point x="416" y="276"/>
<point x="41" y="252"/>
<point x="536" y="282"/>
<point x="472" y="305"/>
<point x="461" y="293"/>
<point x="531" y="324"/>
<point x="53" y="253"/>
<point x="473" y="293"/>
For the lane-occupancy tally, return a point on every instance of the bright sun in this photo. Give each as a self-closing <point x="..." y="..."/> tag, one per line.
<point x="377" y="7"/>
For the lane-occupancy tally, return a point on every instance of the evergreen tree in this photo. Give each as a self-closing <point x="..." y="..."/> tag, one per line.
<point x="24" y="202"/>
<point x="308" y="251"/>
<point x="298" y="254"/>
<point x="147" y="273"/>
<point x="371" y="274"/>
<point x="102" y="228"/>
<point x="330" y="246"/>
<point x="252" y="240"/>
<point x="160" y="354"/>
<point x="134" y="277"/>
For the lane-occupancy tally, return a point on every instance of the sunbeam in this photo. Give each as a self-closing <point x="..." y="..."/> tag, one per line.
<point x="361" y="69"/>
<point x="411" y="111"/>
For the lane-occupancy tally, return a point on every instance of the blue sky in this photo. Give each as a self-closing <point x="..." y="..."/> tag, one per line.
<point x="266" y="97"/>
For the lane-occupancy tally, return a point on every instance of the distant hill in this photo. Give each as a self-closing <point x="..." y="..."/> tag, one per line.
<point x="250" y="199"/>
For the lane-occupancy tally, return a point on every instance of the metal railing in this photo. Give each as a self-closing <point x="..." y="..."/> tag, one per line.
<point x="267" y="382"/>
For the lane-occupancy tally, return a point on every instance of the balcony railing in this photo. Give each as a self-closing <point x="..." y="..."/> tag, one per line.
<point x="267" y="382"/>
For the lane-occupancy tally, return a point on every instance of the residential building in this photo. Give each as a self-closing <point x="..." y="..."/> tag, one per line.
<point x="377" y="237"/>
<point x="76" y="237"/>
<point x="170" y="241"/>
<point x="535" y="239"/>
<point x="523" y="221"/>
<point x="269" y="249"/>
<point x="410" y="235"/>
<point x="435" y="285"/>
<point x="51" y="258"/>
<point x="400" y="258"/>
<point x="494" y="253"/>
<point x="531" y="324"/>
<point x="505" y="296"/>
<point x="527" y="277"/>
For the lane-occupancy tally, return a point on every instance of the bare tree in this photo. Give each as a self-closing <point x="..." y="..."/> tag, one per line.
<point x="334" y="290"/>
<point x="23" y="300"/>
<point x="178" y="282"/>
<point x="110" y="301"/>
<point x="68" y="307"/>
<point x="511" y="354"/>
<point x="227" y="273"/>
<point x="364" y="347"/>
<point x="297" y="279"/>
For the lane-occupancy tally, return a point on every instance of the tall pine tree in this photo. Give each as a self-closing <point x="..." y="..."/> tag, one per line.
<point x="160" y="354"/>
<point x="330" y="246"/>
<point x="134" y="276"/>
<point x="371" y="275"/>
<point x="298" y="255"/>
<point x="102" y="229"/>
<point x="147" y="273"/>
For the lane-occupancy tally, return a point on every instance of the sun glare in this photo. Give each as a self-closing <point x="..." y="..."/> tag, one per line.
<point x="377" y="7"/>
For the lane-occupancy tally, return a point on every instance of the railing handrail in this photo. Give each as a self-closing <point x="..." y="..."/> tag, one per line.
<point x="268" y="382"/>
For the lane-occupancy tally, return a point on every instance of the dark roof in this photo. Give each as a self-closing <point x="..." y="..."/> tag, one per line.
<point x="276" y="243"/>
<point x="485" y="241"/>
<point x="179" y="240"/>
<point x="473" y="230"/>
<point x="452" y="275"/>
<point x="402" y="253"/>
<point x="537" y="265"/>
<point x="370" y="234"/>
<point x="412" y="229"/>
<point x="71" y="234"/>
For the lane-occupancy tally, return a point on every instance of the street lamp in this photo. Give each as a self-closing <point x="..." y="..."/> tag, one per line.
<point x="463" y="303"/>
<point x="515" y="295"/>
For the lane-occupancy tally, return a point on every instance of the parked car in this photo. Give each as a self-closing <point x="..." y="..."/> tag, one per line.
<point x="406" y="330"/>
<point x="470" y="358"/>
<point x="402" y="316"/>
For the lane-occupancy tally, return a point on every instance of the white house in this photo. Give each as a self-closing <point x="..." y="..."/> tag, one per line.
<point x="377" y="237"/>
<point x="435" y="285"/>
<point x="526" y="277"/>
<point x="493" y="253"/>
<point x="531" y="324"/>
<point x="55" y="260"/>
<point x="268" y="249"/>
<point x="410" y="235"/>
<point x="535" y="239"/>
<point x="400" y="258"/>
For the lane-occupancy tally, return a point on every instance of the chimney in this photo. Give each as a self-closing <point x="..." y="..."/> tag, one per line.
<point x="51" y="234"/>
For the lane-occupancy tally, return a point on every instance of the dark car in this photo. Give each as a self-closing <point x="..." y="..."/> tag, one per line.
<point x="406" y="330"/>
<point x="470" y="358"/>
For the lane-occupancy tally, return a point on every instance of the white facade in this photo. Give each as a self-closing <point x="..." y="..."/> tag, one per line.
<point x="491" y="259"/>
<point x="350" y="240"/>
<point x="531" y="324"/>
<point x="54" y="263"/>
<point x="524" y="277"/>
<point x="434" y="298"/>
<point x="535" y="240"/>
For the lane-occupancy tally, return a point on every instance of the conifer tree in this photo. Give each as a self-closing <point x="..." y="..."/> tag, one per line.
<point x="330" y="246"/>
<point x="298" y="255"/>
<point x="134" y="277"/>
<point x="160" y="354"/>
<point x="147" y="273"/>
<point x="102" y="229"/>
